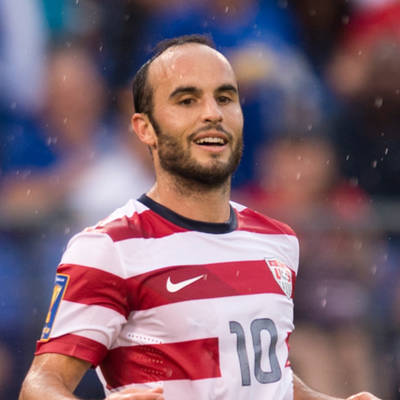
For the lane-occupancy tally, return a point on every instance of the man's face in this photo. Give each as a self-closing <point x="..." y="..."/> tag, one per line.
<point x="196" y="114"/>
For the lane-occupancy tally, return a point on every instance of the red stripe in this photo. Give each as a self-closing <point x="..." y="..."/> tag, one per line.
<point x="252" y="221"/>
<point x="146" y="224"/>
<point x="288" y="363"/>
<point x="194" y="359"/>
<point x="220" y="280"/>
<point x="149" y="224"/>
<point x="93" y="286"/>
<point x="74" y="346"/>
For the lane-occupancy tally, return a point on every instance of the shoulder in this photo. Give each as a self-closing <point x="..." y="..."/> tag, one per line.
<point x="124" y="222"/>
<point x="253" y="221"/>
<point x="95" y="246"/>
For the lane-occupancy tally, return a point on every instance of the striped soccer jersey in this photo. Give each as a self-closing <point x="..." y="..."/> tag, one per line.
<point x="203" y="309"/>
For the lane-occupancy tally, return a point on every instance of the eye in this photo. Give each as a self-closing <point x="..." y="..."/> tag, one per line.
<point x="224" y="99"/>
<point x="187" y="101"/>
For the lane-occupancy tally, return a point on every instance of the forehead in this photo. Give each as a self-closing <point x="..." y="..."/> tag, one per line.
<point x="190" y="64"/>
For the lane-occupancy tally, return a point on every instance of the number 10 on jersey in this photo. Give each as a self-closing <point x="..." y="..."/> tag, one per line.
<point x="256" y="327"/>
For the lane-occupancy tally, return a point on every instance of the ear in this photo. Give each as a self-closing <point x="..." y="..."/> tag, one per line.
<point x="144" y="129"/>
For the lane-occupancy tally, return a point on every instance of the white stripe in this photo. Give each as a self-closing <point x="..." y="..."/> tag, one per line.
<point x="136" y="256"/>
<point x="197" y="319"/>
<point x="226" y="387"/>
<point x="196" y="248"/>
<point x="93" y="322"/>
<point x="94" y="249"/>
<point x="237" y="206"/>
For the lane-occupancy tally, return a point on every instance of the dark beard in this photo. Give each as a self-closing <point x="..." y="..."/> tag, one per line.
<point x="174" y="159"/>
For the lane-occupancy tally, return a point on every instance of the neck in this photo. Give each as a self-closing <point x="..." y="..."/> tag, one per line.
<point x="191" y="199"/>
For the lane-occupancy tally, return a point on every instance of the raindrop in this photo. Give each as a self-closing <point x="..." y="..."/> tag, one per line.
<point x="77" y="2"/>
<point x="378" y="102"/>
<point x="328" y="162"/>
<point x="237" y="273"/>
<point x="101" y="48"/>
<point x="397" y="91"/>
<point x="359" y="52"/>
<point x="226" y="9"/>
<point x="353" y="182"/>
<point x="309" y="127"/>
<point x="358" y="245"/>
<point x="374" y="163"/>
<point x="298" y="176"/>
<point x="28" y="192"/>
<point x="64" y="78"/>
<point x="299" y="157"/>
<point x="382" y="133"/>
<point x="386" y="151"/>
<point x="26" y="173"/>
<point x="65" y="120"/>
<point x="67" y="230"/>
<point x="374" y="269"/>
<point x="348" y="157"/>
<point x="323" y="303"/>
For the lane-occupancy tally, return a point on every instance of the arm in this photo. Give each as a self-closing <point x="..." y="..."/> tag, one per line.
<point x="303" y="392"/>
<point x="55" y="376"/>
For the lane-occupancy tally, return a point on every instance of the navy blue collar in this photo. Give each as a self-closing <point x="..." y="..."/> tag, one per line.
<point x="187" y="223"/>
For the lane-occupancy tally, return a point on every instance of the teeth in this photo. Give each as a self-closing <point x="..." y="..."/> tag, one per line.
<point x="213" y="140"/>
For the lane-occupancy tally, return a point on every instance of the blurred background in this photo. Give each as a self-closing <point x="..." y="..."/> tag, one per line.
<point x="320" y="88"/>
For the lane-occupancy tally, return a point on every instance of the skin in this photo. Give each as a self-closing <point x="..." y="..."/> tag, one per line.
<point x="182" y="115"/>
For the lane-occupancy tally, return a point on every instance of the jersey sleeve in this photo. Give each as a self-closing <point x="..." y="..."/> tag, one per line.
<point x="89" y="302"/>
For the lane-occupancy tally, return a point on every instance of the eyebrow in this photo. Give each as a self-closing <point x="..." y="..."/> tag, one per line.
<point x="185" y="90"/>
<point x="227" y="88"/>
<point x="196" y="91"/>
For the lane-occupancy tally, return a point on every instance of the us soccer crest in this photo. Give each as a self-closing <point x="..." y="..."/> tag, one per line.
<point x="282" y="274"/>
<point x="60" y="286"/>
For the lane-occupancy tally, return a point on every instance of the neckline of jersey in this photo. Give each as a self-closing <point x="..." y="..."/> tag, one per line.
<point x="191" y="224"/>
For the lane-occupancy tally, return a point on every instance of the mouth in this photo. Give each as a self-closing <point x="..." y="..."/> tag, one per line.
<point x="211" y="139"/>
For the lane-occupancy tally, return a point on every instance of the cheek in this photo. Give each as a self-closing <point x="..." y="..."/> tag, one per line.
<point x="235" y="119"/>
<point x="176" y="122"/>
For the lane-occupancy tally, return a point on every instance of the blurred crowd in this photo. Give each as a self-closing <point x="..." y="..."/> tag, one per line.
<point x="320" y="89"/>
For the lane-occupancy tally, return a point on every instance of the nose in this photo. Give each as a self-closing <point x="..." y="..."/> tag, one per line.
<point x="211" y="111"/>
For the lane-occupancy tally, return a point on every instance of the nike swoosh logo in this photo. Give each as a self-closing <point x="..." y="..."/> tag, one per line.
<point x="175" y="287"/>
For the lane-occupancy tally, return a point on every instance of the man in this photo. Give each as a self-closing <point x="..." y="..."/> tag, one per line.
<point x="180" y="294"/>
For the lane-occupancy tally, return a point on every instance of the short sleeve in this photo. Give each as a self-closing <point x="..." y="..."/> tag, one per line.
<point x="89" y="302"/>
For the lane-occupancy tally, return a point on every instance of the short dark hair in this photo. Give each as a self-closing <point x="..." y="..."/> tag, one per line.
<point x="142" y="92"/>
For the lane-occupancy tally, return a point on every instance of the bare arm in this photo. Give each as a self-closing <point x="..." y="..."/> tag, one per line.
<point x="55" y="377"/>
<point x="303" y="392"/>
